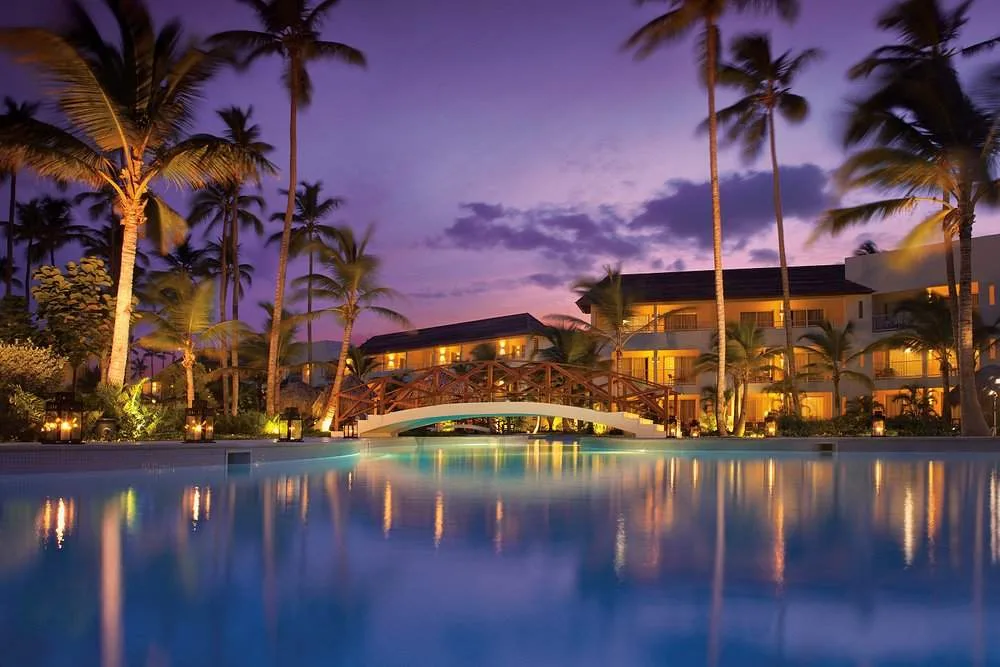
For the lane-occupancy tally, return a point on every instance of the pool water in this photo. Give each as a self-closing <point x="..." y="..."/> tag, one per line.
<point x="475" y="553"/>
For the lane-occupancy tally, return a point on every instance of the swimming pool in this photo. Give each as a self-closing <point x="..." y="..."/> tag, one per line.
<point x="479" y="553"/>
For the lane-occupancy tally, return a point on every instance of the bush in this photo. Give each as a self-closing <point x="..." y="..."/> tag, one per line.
<point x="21" y="415"/>
<point x="245" y="423"/>
<point x="34" y="369"/>
<point x="859" y="424"/>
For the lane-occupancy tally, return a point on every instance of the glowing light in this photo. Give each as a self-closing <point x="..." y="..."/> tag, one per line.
<point x="770" y="477"/>
<point x="994" y="518"/>
<point x="196" y="506"/>
<point x="878" y="477"/>
<point x="695" y="470"/>
<point x="498" y="526"/>
<point x="672" y="479"/>
<point x="621" y="542"/>
<point x="779" y="542"/>
<point x="909" y="527"/>
<point x="60" y="523"/>
<point x="56" y="520"/>
<point x="438" y="518"/>
<point x="129" y="505"/>
<point x="387" y="509"/>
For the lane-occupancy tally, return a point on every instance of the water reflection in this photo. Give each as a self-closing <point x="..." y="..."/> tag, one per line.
<point x="489" y="555"/>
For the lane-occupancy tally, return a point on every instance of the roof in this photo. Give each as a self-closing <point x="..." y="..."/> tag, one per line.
<point x="451" y="334"/>
<point x="758" y="283"/>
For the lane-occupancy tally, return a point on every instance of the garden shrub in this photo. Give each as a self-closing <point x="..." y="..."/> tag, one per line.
<point x="245" y="423"/>
<point x="34" y="369"/>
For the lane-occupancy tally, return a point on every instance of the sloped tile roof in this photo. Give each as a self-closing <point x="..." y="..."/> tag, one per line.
<point x="450" y="334"/>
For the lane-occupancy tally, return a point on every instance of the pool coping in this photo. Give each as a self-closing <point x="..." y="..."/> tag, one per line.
<point x="27" y="458"/>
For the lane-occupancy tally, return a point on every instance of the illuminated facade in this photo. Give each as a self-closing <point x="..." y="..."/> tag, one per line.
<point x="510" y="337"/>
<point x="676" y="320"/>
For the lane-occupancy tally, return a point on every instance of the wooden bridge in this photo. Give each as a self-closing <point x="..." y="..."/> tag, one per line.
<point x="392" y="403"/>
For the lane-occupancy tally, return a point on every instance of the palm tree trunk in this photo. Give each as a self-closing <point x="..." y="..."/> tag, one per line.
<point x="786" y="292"/>
<point x="331" y="419"/>
<point x="27" y="273"/>
<point x="973" y="422"/>
<point x="836" y="395"/>
<point x="946" y="390"/>
<point x="117" y="366"/>
<point x="188" y="364"/>
<point x="286" y="235"/>
<point x="740" y="424"/>
<point x="713" y="158"/>
<point x="116" y="252"/>
<point x="52" y="256"/>
<point x="949" y="265"/>
<point x="309" y="311"/>
<point x="11" y="210"/>
<point x="223" y="293"/>
<point x="234" y="238"/>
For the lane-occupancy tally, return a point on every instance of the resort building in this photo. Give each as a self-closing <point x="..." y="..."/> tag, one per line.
<point x="510" y="337"/>
<point x="676" y="322"/>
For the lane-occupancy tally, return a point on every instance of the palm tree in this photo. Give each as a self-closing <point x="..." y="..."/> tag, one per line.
<point x="7" y="265"/>
<point x="766" y="85"/>
<point x="916" y="401"/>
<point x="361" y="365"/>
<point x="749" y="360"/>
<point x="834" y="352"/>
<point x="290" y="30"/>
<point x="182" y="319"/>
<point x="57" y="229"/>
<point x="188" y="259"/>
<point x="309" y="236"/>
<point x="683" y="17"/>
<point x="127" y="105"/>
<point x="15" y="112"/>
<point x="351" y="282"/>
<point x="254" y="347"/>
<point x="927" y="142"/>
<point x="571" y="345"/>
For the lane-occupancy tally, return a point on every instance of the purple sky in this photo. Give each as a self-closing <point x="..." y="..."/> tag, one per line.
<point x="506" y="147"/>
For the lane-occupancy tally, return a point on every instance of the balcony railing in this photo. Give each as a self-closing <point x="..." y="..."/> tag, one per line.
<point x="889" y="322"/>
<point x="911" y="368"/>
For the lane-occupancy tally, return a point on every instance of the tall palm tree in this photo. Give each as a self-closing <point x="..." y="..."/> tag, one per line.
<point x="254" y="346"/>
<point x="290" y="30"/>
<point x="7" y="265"/>
<point x="835" y="352"/>
<point x="13" y="112"/>
<point x="683" y="17"/>
<point x="749" y="360"/>
<point x="309" y="236"/>
<point x="182" y="319"/>
<point x="127" y="103"/>
<point x="925" y="142"/>
<point x="350" y="281"/>
<point x="188" y="259"/>
<point x="766" y="85"/>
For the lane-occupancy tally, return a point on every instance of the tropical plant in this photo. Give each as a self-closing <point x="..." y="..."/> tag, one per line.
<point x="254" y="346"/>
<point x="182" y="319"/>
<point x="290" y="30"/>
<point x="14" y="112"/>
<point x="187" y="258"/>
<point x="749" y="360"/>
<point x="571" y="345"/>
<point x="925" y="143"/>
<point x="484" y="352"/>
<point x="309" y="237"/>
<point x="127" y="104"/>
<point x="834" y="352"/>
<point x="105" y="241"/>
<point x="8" y="265"/>
<point x="683" y="17"/>
<point x="40" y="222"/>
<point x="766" y="85"/>
<point x="916" y="401"/>
<point x="78" y="310"/>
<point x="33" y="368"/>
<point x="16" y="321"/>
<point x="361" y="365"/>
<point x="350" y="280"/>
<point x="868" y="247"/>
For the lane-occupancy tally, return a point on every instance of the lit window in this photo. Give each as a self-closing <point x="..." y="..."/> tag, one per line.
<point x="993" y="294"/>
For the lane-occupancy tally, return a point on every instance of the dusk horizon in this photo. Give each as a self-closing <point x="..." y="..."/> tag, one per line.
<point x="500" y="165"/>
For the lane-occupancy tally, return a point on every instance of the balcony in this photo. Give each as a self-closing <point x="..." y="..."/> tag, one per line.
<point x="888" y="322"/>
<point x="910" y="368"/>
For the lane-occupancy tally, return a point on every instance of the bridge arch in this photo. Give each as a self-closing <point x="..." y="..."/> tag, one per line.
<point x="395" y="402"/>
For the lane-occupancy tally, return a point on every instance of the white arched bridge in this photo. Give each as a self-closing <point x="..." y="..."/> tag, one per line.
<point x="389" y="405"/>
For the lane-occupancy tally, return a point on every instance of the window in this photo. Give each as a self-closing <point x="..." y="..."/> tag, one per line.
<point x="861" y="309"/>
<point x="993" y="294"/>
<point x="808" y="318"/>
<point x="680" y="322"/>
<point x="761" y="319"/>
<point x="898" y="363"/>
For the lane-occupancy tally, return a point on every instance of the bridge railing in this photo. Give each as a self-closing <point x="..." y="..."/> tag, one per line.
<point x="487" y="381"/>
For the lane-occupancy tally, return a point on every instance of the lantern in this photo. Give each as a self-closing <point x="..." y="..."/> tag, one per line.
<point x="351" y="429"/>
<point x="290" y="427"/>
<point x="694" y="428"/>
<point x="770" y="426"/>
<point x="673" y="427"/>
<point x="878" y="424"/>
<point x="63" y="420"/>
<point x="199" y="423"/>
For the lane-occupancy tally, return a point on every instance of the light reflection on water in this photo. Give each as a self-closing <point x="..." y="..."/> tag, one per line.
<point x="494" y="555"/>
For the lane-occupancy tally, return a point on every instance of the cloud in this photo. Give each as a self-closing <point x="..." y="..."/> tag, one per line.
<point x="684" y="211"/>
<point x="571" y="237"/>
<point x="764" y="256"/>
<point x="544" y="280"/>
